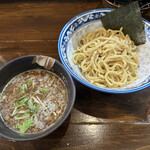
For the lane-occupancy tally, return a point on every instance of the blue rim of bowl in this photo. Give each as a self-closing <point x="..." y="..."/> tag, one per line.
<point x="80" y="80"/>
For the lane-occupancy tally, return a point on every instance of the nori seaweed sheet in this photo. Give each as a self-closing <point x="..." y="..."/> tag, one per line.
<point x="128" y="17"/>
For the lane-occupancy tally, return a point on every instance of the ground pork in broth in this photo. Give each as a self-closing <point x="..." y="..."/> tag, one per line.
<point x="33" y="101"/>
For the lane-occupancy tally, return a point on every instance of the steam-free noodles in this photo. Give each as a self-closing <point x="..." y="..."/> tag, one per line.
<point x="107" y="58"/>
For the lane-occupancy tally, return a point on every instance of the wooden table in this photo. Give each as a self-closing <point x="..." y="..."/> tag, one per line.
<point x="98" y="121"/>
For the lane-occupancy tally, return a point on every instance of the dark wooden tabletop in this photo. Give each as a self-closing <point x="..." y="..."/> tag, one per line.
<point x="98" y="121"/>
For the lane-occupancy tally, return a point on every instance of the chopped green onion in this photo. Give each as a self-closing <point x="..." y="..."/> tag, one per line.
<point x="24" y="126"/>
<point x="29" y="82"/>
<point x="20" y="98"/>
<point x="32" y="106"/>
<point x="24" y="100"/>
<point x="21" y="102"/>
<point x="15" y="111"/>
<point x="23" y="87"/>
<point x="26" y="115"/>
<point x="38" y="106"/>
<point x="44" y="90"/>
<point x="23" y="111"/>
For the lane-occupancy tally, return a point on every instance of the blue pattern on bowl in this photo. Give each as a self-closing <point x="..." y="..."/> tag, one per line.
<point x="70" y="28"/>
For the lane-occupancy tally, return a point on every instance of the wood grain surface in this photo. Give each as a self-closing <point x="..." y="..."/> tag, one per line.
<point x="98" y="121"/>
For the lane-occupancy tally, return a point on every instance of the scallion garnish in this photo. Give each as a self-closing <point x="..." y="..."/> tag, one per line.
<point x="24" y="126"/>
<point x="23" y="88"/>
<point x="21" y="102"/>
<point x="44" y="91"/>
<point x="26" y="115"/>
<point x="20" y="98"/>
<point x="15" y="111"/>
<point x="29" y="82"/>
<point x="32" y="106"/>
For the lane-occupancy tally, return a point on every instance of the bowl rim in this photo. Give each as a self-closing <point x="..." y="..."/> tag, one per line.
<point x="82" y="81"/>
<point x="62" y="120"/>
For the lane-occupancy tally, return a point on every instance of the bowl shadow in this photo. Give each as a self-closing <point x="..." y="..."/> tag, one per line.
<point x="132" y="107"/>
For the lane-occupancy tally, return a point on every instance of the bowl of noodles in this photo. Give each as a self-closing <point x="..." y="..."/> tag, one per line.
<point x="104" y="60"/>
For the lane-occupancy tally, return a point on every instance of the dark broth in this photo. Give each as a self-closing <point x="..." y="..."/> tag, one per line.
<point x="33" y="100"/>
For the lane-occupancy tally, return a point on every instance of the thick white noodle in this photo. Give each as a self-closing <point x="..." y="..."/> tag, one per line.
<point x="107" y="58"/>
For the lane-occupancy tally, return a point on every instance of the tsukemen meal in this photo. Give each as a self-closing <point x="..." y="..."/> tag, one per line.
<point x="33" y="101"/>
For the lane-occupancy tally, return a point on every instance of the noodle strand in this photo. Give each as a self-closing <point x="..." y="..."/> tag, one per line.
<point x="107" y="58"/>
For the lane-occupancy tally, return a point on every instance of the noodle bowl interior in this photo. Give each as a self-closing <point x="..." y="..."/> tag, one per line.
<point x="107" y="58"/>
<point x="33" y="101"/>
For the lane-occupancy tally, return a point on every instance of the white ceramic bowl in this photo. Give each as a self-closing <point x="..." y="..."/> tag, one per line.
<point x="89" y="21"/>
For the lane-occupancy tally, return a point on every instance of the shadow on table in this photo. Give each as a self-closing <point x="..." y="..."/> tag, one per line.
<point x="52" y="140"/>
<point x="132" y="107"/>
